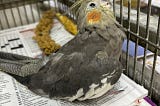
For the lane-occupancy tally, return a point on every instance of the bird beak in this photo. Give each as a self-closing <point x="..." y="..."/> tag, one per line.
<point x="93" y="17"/>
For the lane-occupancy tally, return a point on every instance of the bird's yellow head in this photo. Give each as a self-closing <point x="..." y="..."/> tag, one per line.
<point x="94" y="13"/>
<point x="94" y="10"/>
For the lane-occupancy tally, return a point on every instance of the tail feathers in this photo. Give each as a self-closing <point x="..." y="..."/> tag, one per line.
<point x="10" y="56"/>
<point x="21" y="67"/>
<point x="23" y="80"/>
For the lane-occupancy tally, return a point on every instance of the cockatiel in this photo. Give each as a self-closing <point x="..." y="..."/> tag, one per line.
<point x="84" y="68"/>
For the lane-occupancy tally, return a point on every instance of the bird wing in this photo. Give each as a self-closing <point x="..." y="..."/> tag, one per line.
<point x="71" y="73"/>
<point x="53" y="72"/>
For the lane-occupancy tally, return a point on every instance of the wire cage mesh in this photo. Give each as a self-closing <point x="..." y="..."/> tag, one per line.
<point x="141" y="28"/>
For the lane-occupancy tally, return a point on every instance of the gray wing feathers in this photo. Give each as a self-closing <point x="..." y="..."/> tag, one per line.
<point x="55" y="72"/>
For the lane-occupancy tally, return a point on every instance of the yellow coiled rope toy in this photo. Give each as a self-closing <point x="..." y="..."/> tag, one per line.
<point x="43" y="28"/>
<point x="42" y="32"/>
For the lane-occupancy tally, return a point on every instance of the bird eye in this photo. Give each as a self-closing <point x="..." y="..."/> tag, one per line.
<point x="91" y="5"/>
<point x="105" y="3"/>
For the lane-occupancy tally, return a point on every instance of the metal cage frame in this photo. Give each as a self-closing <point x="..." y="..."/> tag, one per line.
<point x="147" y="41"/>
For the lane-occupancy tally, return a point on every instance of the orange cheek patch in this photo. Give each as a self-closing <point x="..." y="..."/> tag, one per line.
<point x="93" y="17"/>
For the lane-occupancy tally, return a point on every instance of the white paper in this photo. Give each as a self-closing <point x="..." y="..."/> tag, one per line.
<point x="9" y="95"/>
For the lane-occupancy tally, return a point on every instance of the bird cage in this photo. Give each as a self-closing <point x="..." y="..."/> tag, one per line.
<point x="141" y="27"/>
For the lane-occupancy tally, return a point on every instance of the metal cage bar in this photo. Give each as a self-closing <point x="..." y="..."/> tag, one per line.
<point x="128" y="35"/>
<point x="55" y="3"/>
<point x="17" y="6"/>
<point x="145" y="40"/>
<point x="137" y="39"/>
<point x="37" y="6"/>
<point x="146" y="37"/>
<point x="121" y="12"/>
<point x="155" y="58"/>
<point x="13" y="15"/>
<point x="1" y="26"/>
<point x="4" y="12"/>
<point x="33" y="17"/>
<point x="25" y="11"/>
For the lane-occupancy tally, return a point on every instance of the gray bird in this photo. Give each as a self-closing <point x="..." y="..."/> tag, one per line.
<point x="85" y="68"/>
